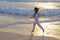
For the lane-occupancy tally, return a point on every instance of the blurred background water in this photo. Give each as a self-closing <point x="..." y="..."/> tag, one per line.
<point x="11" y="12"/>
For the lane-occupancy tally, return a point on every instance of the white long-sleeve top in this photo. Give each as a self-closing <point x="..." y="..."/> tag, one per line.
<point x="36" y="16"/>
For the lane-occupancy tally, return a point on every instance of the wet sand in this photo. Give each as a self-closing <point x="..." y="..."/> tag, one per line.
<point x="23" y="32"/>
<point x="14" y="36"/>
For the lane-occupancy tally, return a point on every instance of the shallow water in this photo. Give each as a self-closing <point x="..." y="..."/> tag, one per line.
<point x="7" y="19"/>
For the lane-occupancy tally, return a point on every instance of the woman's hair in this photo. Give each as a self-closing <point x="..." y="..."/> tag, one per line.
<point x="36" y="9"/>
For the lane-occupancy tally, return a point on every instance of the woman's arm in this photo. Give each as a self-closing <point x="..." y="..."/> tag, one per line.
<point x="32" y="16"/>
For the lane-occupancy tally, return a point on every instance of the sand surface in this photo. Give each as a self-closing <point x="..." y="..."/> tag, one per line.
<point x="23" y="32"/>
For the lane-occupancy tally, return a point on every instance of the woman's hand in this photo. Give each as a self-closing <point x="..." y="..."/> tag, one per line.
<point x="31" y="17"/>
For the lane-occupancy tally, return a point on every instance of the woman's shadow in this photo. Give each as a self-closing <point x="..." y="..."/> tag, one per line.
<point x="32" y="37"/>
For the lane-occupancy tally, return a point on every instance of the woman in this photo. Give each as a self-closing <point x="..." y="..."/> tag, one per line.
<point x="36" y="21"/>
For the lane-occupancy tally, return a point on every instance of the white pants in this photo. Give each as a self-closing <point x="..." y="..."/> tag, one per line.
<point x="34" y="24"/>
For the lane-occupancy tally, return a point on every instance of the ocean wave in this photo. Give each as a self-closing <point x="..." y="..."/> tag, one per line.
<point x="45" y="12"/>
<point x="25" y="8"/>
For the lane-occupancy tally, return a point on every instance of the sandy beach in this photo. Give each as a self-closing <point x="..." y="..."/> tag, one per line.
<point x="23" y="32"/>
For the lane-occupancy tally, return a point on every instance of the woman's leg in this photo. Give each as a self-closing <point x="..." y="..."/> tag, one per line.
<point x="33" y="27"/>
<point x="40" y="26"/>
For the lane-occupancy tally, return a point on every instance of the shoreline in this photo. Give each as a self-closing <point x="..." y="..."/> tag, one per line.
<point x="23" y="32"/>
